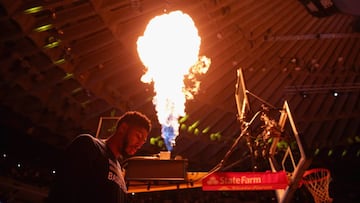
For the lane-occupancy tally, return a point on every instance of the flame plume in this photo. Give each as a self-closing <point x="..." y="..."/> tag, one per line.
<point x="169" y="50"/>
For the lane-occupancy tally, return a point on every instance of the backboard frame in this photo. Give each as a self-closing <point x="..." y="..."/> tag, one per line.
<point x="295" y="176"/>
<point x="106" y="126"/>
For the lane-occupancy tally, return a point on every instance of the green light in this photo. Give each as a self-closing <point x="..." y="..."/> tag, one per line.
<point x="160" y="143"/>
<point x="344" y="153"/>
<point x="215" y="136"/>
<point x="194" y="125"/>
<point x="76" y="90"/>
<point x="357" y="139"/>
<point x="282" y="144"/>
<point x="218" y="135"/>
<point x="206" y="130"/>
<point x="60" y="61"/>
<point x="68" y="76"/>
<point x="53" y="44"/>
<point x="112" y="129"/>
<point x="183" y="119"/>
<point x="33" y="10"/>
<point x="317" y="151"/>
<point x="330" y="152"/>
<point x="212" y="136"/>
<point x="44" y="28"/>
<point x="85" y="103"/>
<point x="112" y="113"/>
<point x="183" y="127"/>
<point x="190" y="129"/>
<point x="196" y="131"/>
<point x="153" y="141"/>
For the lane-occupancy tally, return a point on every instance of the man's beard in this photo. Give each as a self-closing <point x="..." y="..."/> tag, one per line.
<point x="125" y="145"/>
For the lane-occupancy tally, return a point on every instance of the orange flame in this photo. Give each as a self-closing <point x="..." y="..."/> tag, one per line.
<point x="169" y="49"/>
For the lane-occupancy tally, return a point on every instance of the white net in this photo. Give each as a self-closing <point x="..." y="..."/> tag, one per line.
<point x="317" y="182"/>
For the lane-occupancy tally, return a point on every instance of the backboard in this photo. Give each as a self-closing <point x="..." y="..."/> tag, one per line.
<point x="241" y="98"/>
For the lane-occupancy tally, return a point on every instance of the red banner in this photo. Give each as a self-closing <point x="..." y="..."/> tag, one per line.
<point x="245" y="181"/>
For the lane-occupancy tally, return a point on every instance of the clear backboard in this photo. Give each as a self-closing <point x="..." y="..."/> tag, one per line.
<point x="241" y="98"/>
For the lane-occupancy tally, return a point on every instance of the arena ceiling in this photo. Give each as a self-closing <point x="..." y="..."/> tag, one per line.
<point x="66" y="64"/>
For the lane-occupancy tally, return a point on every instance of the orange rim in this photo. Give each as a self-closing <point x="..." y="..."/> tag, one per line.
<point x="315" y="170"/>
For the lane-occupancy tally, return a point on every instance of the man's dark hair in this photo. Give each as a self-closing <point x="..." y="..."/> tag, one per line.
<point x="135" y="118"/>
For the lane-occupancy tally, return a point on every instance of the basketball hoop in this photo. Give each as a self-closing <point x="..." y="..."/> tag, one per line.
<point x="317" y="182"/>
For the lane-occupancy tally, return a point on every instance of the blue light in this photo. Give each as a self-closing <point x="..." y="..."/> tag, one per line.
<point x="168" y="134"/>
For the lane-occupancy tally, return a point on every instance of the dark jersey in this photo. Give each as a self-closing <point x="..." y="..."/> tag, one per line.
<point x="88" y="173"/>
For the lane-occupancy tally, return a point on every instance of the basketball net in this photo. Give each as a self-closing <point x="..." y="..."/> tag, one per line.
<point x="317" y="182"/>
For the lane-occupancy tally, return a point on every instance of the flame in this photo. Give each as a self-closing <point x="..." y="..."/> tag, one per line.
<point x="169" y="50"/>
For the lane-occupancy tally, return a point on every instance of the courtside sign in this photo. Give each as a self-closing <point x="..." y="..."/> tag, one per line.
<point x="245" y="181"/>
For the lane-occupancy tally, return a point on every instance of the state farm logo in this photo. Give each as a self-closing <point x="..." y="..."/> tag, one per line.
<point x="212" y="181"/>
<point x="225" y="180"/>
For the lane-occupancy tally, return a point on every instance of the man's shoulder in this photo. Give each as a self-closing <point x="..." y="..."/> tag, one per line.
<point x="89" y="141"/>
<point x="83" y="140"/>
<point x="85" y="137"/>
<point x="84" y="144"/>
